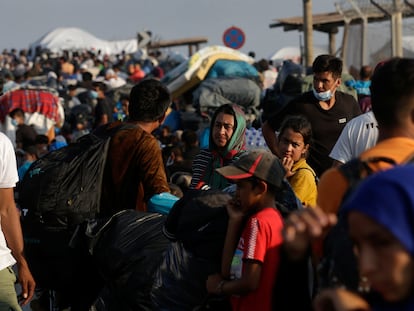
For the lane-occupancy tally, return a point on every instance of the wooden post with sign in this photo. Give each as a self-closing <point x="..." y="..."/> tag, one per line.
<point x="308" y="31"/>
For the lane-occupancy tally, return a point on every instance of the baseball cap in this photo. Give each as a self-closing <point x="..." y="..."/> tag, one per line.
<point x="261" y="164"/>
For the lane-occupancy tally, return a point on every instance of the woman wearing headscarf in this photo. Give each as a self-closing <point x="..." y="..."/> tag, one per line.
<point x="227" y="142"/>
<point x="380" y="216"/>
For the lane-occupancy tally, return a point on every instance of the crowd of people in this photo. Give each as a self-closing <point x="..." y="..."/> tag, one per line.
<point x="310" y="142"/>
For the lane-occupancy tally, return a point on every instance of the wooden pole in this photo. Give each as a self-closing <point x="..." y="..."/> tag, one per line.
<point x="344" y="52"/>
<point x="345" y="36"/>
<point x="308" y="31"/>
<point x="396" y="24"/>
<point x="364" y="26"/>
<point x="332" y="42"/>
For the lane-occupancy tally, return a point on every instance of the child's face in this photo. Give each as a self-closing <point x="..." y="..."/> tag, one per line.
<point x="223" y="128"/>
<point x="382" y="258"/>
<point x="245" y="195"/>
<point x="125" y="104"/>
<point x="291" y="145"/>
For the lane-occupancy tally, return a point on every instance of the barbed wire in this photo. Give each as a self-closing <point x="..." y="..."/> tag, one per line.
<point x="368" y="8"/>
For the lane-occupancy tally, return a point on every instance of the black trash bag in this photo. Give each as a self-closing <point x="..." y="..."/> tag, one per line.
<point x="68" y="270"/>
<point x="180" y="282"/>
<point x="199" y="221"/>
<point x="127" y="251"/>
<point x="108" y="302"/>
<point x="197" y="225"/>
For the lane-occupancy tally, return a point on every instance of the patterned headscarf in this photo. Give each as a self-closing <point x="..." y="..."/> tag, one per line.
<point x="235" y="147"/>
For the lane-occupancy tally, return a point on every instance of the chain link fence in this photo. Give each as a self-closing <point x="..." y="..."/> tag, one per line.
<point x="378" y="34"/>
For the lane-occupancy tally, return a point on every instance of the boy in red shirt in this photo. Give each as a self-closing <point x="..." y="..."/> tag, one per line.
<point x="251" y="254"/>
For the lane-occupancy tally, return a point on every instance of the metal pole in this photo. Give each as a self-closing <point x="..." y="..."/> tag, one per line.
<point x="344" y="36"/>
<point x="380" y="7"/>
<point x="364" y="56"/>
<point x="396" y="26"/>
<point x="308" y="31"/>
<point x="411" y="6"/>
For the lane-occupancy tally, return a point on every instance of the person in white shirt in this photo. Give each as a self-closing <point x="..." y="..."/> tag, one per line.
<point x="11" y="237"/>
<point x="113" y="80"/>
<point x="358" y="135"/>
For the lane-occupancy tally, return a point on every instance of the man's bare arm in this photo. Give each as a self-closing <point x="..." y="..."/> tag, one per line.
<point x="10" y="224"/>
<point x="270" y="137"/>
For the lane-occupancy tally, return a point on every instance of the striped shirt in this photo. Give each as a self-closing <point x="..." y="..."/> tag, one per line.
<point x="201" y="163"/>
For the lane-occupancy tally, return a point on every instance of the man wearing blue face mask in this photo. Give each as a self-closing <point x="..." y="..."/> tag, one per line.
<point x="327" y="109"/>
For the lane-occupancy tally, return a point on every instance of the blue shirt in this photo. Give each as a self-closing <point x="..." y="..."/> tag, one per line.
<point x="361" y="87"/>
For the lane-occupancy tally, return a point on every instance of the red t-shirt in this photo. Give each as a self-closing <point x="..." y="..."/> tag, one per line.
<point x="260" y="240"/>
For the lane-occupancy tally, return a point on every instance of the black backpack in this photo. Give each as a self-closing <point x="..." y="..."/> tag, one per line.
<point x="63" y="188"/>
<point x="338" y="266"/>
<point x="60" y="192"/>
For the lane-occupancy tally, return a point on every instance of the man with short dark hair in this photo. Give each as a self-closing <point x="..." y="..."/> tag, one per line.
<point x="134" y="172"/>
<point x="327" y="109"/>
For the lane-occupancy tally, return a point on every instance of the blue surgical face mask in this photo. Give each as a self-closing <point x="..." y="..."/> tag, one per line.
<point x="14" y="122"/>
<point x="322" y="96"/>
<point x="93" y="94"/>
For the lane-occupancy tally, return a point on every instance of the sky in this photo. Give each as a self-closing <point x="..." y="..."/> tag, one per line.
<point x="24" y="21"/>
